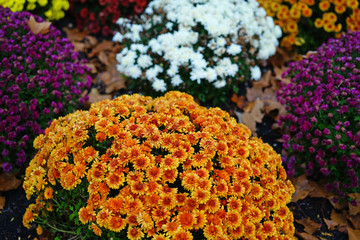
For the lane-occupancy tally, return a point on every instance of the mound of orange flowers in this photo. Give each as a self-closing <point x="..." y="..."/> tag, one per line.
<point x="163" y="168"/>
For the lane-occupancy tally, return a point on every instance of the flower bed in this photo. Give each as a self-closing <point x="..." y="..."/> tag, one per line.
<point x="308" y="24"/>
<point x="100" y="15"/>
<point x="52" y="10"/>
<point x="39" y="79"/>
<point x="136" y="168"/>
<point x="323" y="101"/>
<point x="202" y="48"/>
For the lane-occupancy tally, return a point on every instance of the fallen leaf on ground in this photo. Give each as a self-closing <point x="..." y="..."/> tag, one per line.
<point x="264" y="80"/>
<point x="103" y="57"/>
<point x="355" y="220"/>
<point x="115" y="86"/>
<point x="278" y="74"/>
<point x="306" y="236"/>
<point x="79" y="46"/>
<point x="302" y="188"/>
<point x="338" y="204"/>
<point x="240" y="101"/>
<point x="353" y="234"/>
<point x="253" y="93"/>
<point x="8" y="182"/>
<point x="353" y="210"/>
<point x="106" y="78"/>
<point x="95" y="96"/>
<point x="318" y="190"/>
<point x="2" y="203"/>
<point x="281" y="57"/>
<point x="310" y="226"/>
<point x="253" y="114"/>
<point x="74" y="35"/>
<point x="92" y="66"/>
<point x="331" y="224"/>
<point x="90" y="41"/>
<point x="102" y="46"/>
<point x="339" y="218"/>
<point x="38" y="27"/>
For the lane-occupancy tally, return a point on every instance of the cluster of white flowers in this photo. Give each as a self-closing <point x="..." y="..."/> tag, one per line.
<point x="229" y="24"/>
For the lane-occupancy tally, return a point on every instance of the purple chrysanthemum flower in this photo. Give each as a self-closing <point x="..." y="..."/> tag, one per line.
<point x="33" y="73"/>
<point x="323" y="104"/>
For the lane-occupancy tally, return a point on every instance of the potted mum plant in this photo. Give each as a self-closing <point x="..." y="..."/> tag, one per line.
<point x="164" y="168"/>
<point x="205" y="48"/>
<point x="323" y="103"/>
<point x="308" y="24"/>
<point x="40" y="79"/>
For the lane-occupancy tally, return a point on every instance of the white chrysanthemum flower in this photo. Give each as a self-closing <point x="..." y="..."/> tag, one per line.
<point x="118" y="37"/>
<point x="234" y="49"/>
<point x="177" y="41"/>
<point x="144" y="61"/>
<point x="220" y="84"/>
<point x="255" y="72"/>
<point x="159" y="85"/>
<point x="151" y="73"/>
<point x="176" y="80"/>
<point x="134" y="72"/>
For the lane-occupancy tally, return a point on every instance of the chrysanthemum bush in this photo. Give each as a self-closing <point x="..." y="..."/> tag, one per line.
<point x="50" y="9"/>
<point x="323" y="101"/>
<point x="202" y="47"/>
<point x="99" y="16"/>
<point x="40" y="78"/>
<point x="164" y="168"/>
<point x="307" y="24"/>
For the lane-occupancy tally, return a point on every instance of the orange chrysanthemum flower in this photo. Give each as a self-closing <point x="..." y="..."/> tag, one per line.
<point x="116" y="223"/>
<point x="86" y="214"/>
<point x="163" y="169"/>
<point x="212" y="231"/>
<point x="183" y="235"/>
<point x="96" y="229"/>
<point x="48" y="193"/>
<point x="134" y="233"/>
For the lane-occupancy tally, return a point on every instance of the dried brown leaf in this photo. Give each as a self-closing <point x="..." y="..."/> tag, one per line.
<point x="353" y="234"/>
<point x="79" y="46"/>
<point x="253" y="93"/>
<point x="106" y="78"/>
<point x="355" y="220"/>
<point x="90" y="41"/>
<point x="92" y="66"/>
<point x="74" y="35"/>
<point x="331" y="224"/>
<point x="302" y="188"/>
<point x="102" y="46"/>
<point x="240" y="101"/>
<point x="8" y="182"/>
<point x="115" y="86"/>
<point x="38" y="27"/>
<point x="255" y="109"/>
<point x="95" y="96"/>
<point x="339" y="205"/>
<point x="306" y="236"/>
<point x="103" y="57"/>
<point x="310" y="226"/>
<point x="247" y="119"/>
<point x="281" y="57"/>
<point x="318" y="190"/>
<point x="264" y="80"/>
<point x="278" y="74"/>
<point x="2" y="202"/>
<point x="354" y="210"/>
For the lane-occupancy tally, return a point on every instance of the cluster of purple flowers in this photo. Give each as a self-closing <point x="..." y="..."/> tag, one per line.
<point x="323" y="104"/>
<point x="40" y="79"/>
